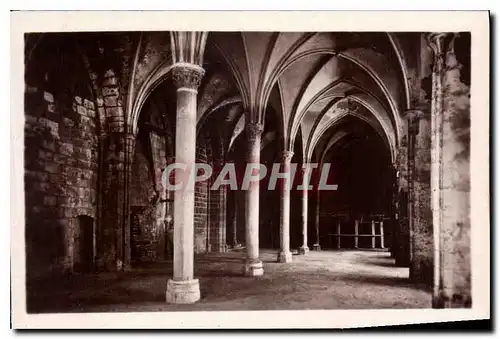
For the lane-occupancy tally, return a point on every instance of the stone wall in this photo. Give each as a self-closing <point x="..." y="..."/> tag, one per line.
<point x="420" y="125"/>
<point x="217" y="210"/>
<point x="201" y="201"/>
<point x="143" y="204"/>
<point x="421" y="267"/>
<point x="455" y="227"/>
<point x="61" y="165"/>
<point x="401" y="235"/>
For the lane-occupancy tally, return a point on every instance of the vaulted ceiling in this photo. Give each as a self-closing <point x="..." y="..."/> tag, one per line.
<point x="309" y="81"/>
<point x="314" y="80"/>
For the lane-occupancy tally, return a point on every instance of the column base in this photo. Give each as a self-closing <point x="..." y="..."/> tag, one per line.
<point x="316" y="247"/>
<point x="183" y="291"/>
<point x="303" y="249"/>
<point x="253" y="268"/>
<point x="237" y="247"/>
<point x="285" y="257"/>
<point x="456" y="301"/>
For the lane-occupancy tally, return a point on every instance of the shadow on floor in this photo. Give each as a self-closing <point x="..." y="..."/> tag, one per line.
<point x="385" y="281"/>
<point x="321" y="280"/>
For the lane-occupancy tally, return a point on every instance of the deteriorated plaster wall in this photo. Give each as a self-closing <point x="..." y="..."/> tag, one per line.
<point x="455" y="233"/>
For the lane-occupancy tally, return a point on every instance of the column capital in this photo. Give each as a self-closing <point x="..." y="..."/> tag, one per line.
<point x="414" y="115"/>
<point x="254" y="129"/>
<point x="130" y="136"/>
<point x="186" y="75"/>
<point x="307" y="167"/>
<point x="436" y="40"/>
<point x="286" y="156"/>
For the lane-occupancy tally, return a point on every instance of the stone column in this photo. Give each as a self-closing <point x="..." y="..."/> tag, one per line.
<point x="393" y="225"/>
<point x="129" y="149"/>
<point x="373" y="234"/>
<point x="183" y="288"/>
<point x="411" y="168"/>
<point x="306" y="171"/>
<point x="356" y="233"/>
<point x="285" y="255"/>
<point x="253" y="265"/>
<point x="338" y="234"/>
<point x="420" y="216"/>
<point x="450" y="171"/>
<point x="235" y="220"/>
<point x="382" y="244"/>
<point x="316" y="245"/>
<point x="401" y="229"/>
<point x="113" y="231"/>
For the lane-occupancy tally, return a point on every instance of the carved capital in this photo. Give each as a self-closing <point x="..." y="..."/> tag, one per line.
<point x="439" y="42"/>
<point x="254" y="129"/>
<point x="187" y="76"/>
<point x="413" y="115"/>
<point x="286" y="156"/>
<point x="307" y="168"/>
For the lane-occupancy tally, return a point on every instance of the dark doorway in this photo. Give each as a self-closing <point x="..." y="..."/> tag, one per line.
<point x="84" y="244"/>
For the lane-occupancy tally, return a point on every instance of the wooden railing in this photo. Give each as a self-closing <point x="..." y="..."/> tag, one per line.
<point x="376" y="230"/>
<point x="357" y="235"/>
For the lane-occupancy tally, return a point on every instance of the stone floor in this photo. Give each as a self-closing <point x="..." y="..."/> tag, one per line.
<point x="319" y="280"/>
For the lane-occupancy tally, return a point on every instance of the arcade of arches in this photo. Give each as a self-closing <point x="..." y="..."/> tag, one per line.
<point x="105" y="113"/>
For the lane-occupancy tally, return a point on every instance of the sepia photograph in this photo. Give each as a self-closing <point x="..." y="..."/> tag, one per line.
<point x="259" y="168"/>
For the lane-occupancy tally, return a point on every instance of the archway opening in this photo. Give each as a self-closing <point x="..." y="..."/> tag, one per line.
<point x="358" y="213"/>
<point x="84" y="246"/>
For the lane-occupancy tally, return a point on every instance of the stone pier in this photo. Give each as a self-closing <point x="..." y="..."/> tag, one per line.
<point x="419" y="186"/>
<point x="285" y="255"/>
<point x="316" y="245"/>
<point x="306" y="172"/>
<point x="183" y="288"/>
<point x="450" y="172"/>
<point x="253" y="265"/>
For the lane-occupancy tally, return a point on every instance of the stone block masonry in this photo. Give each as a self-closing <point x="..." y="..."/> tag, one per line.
<point x="61" y="157"/>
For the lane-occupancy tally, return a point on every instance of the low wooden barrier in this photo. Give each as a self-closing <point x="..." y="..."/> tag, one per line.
<point x="374" y="235"/>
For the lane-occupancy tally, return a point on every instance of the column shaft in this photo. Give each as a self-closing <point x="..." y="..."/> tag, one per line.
<point x="235" y="219"/>
<point x="420" y="193"/>
<point x="304" y="249"/>
<point x="184" y="198"/>
<point x="316" y="245"/>
<point x="411" y="181"/>
<point x="450" y="175"/>
<point x="373" y="234"/>
<point x="183" y="288"/>
<point x="129" y="157"/>
<point x="338" y="234"/>
<point x="382" y="245"/>
<point x="253" y="265"/>
<point x="401" y="227"/>
<point x="285" y="255"/>
<point x="356" y="233"/>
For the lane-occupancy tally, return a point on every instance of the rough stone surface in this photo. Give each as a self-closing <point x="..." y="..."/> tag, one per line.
<point x="455" y="233"/>
<point x="94" y="159"/>
<point x="253" y="268"/>
<point x="60" y="180"/>
<point x="322" y="280"/>
<point x="183" y="292"/>
<point x="303" y="250"/>
<point x="421" y="266"/>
